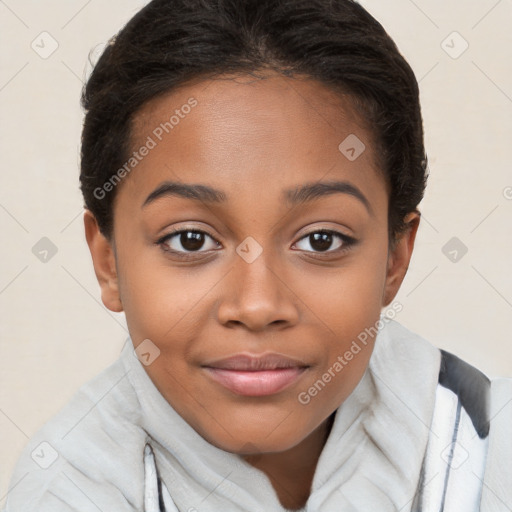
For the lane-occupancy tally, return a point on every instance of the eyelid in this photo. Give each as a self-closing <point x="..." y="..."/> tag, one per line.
<point x="182" y="229"/>
<point x="333" y="231"/>
<point x="347" y="241"/>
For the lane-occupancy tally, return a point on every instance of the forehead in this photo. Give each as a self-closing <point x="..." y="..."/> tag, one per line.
<point x="251" y="133"/>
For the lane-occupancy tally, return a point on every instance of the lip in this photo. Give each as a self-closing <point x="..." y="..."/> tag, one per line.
<point x="256" y="375"/>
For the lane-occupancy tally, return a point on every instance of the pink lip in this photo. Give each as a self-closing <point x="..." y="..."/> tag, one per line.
<point x="256" y="383"/>
<point x="256" y="375"/>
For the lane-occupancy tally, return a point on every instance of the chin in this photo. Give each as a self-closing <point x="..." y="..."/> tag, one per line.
<point x="254" y="441"/>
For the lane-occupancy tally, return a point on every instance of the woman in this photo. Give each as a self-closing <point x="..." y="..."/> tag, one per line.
<point x="251" y="173"/>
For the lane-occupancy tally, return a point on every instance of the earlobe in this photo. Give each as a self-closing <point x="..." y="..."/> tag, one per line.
<point x="104" y="262"/>
<point x="399" y="258"/>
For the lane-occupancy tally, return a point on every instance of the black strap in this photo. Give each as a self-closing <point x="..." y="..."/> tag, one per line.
<point x="472" y="387"/>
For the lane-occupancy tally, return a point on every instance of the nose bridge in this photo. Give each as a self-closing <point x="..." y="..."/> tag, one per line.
<point x="255" y="272"/>
<point x="256" y="295"/>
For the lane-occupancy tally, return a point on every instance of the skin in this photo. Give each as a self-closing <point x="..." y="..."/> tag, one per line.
<point x="253" y="139"/>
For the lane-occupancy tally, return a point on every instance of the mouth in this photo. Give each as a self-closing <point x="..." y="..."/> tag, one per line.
<point x="251" y="375"/>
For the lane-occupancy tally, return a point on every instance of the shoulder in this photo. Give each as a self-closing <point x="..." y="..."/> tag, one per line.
<point x="486" y="400"/>
<point x="498" y="478"/>
<point x="470" y="442"/>
<point x="85" y="453"/>
<point x="483" y="440"/>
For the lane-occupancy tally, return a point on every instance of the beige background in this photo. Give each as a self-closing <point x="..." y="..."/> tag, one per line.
<point x="56" y="334"/>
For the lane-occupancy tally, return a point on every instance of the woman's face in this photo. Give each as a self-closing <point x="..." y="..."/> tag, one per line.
<point x="252" y="274"/>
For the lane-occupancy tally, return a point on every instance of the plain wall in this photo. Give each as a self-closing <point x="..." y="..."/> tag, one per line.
<point x="56" y="334"/>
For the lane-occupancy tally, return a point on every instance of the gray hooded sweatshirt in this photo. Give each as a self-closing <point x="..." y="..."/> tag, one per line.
<point x="422" y="431"/>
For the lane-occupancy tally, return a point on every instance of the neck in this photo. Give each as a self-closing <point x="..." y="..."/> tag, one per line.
<point x="291" y="472"/>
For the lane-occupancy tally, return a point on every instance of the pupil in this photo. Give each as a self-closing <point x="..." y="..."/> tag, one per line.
<point x="191" y="240"/>
<point x="320" y="241"/>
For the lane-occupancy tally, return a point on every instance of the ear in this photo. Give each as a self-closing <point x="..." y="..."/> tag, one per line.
<point x="399" y="257"/>
<point x="103" y="258"/>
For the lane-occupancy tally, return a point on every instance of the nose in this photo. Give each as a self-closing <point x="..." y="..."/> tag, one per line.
<point x="258" y="295"/>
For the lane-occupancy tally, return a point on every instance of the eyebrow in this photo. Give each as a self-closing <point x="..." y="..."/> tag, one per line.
<point x="297" y="195"/>
<point x="311" y="191"/>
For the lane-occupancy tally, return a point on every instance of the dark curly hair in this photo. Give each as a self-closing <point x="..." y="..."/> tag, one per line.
<point x="171" y="42"/>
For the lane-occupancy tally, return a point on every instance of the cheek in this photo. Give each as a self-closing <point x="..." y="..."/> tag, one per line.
<point x="348" y="298"/>
<point x="158" y="299"/>
<point x="347" y="308"/>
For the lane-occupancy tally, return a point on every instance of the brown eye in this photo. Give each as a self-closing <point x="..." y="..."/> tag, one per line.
<point x="323" y="241"/>
<point x="187" y="240"/>
<point x="320" y="241"/>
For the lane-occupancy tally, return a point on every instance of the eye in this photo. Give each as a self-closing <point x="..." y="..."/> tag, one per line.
<point x="187" y="241"/>
<point x="322" y="241"/>
<point x="184" y="242"/>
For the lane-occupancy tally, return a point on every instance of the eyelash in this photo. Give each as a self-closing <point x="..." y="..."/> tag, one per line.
<point x="347" y="241"/>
